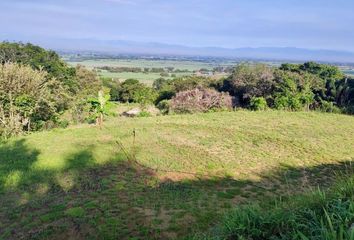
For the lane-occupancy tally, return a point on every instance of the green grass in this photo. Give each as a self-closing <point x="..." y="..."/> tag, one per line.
<point x="77" y="182"/>
<point x="322" y="215"/>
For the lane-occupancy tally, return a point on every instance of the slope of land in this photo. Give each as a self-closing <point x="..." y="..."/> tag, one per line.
<point x="78" y="182"/>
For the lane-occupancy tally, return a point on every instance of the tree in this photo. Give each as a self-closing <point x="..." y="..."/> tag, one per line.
<point x="144" y="96"/>
<point x="248" y="81"/>
<point x="88" y="84"/>
<point x="293" y="91"/>
<point x="345" y="96"/>
<point x="327" y="79"/>
<point x="39" y="59"/>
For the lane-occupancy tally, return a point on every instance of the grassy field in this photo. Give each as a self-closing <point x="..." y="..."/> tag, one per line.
<point x="349" y="72"/>
<point x="318" y="214"/>
<point x="182" y="65"/>
<point x="147" y="78"/>
<point x="78" y="183"/>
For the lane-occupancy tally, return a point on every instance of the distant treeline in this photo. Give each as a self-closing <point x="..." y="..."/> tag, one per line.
<point x="220" y="69"/>
<point x="138" y="69"/>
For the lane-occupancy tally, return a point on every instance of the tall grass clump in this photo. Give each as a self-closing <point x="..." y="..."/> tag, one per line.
<point x="317" y="215"/>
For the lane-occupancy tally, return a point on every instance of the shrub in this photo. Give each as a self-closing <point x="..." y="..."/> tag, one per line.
<point x="258" y="104"/>
<point x="114" y="86"/>
<point x="200" y="100"/>
<point x="64" y="123"/>
<point x="164" y="106"/>
<point x="190" y="82"/>
<point x="248" y="81"/>
<point x="329" y="107"/>
<point x="164" y="74"/>
<point x="144" y="114"/>
<point x="28" y="99"/>
<point x="293" y="91"/>
<point x="160" y="83"/>
<point x="144" y="95"/>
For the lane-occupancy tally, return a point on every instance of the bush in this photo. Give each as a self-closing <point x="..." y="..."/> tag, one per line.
<point x="329" y="107"/>
<point x="144" y="95"/>
<point x="64" y="123"/>
<point x="164" y="74"/>
<point x="200" y="100"/>
<point x="28" y="99"/>
<point x="113" y="85"/>
<point x="248" y="81"/>
<point x="258" y="104"/>
<point x="144" y="114"/>
<point x="294" y="91"/>
<point x="164" y="106"/>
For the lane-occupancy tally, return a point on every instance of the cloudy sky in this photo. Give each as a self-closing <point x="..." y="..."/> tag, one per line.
<point x="317" y="24"/>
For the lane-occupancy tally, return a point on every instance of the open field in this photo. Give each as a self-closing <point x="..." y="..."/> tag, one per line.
<point x="178" y="64"/>
<point x="187" y="67"/>
<point x="349" y="72"/>
<point x="146" y="78"/>
<point x="77" y="183"/>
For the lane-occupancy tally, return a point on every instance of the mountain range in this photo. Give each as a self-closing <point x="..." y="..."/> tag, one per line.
<point x="260" y="53"/>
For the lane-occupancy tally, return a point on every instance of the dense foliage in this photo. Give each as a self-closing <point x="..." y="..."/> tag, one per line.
<point x="37" y="88"/>
<point x="39" y="58"/>
<point x="28" y="99"/>
<point x="292" y="87"/>
<point x="295" y="87"/>
<point x="131" y="90"/>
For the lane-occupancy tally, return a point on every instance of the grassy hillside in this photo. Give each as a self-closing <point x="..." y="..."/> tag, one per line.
<point x="77" y="182"/>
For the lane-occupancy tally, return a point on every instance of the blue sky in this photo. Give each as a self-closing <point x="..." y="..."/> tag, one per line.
<point x="317" y="24"/>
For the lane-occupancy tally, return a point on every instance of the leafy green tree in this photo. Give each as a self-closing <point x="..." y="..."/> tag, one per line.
<point x="144" y="96"/>
<point x="248" y="81"/>
<point x="88" y="84"/>
<point x="328" y="78"/>
<point x="39" y="59"/>
<point x="293" y="91"/>
<point x="345" y="94"/>
<point x="114" y="85"/>
<point x="127" y="90"/>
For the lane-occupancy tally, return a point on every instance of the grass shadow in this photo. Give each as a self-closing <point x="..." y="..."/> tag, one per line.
<point x="123" y="200"/>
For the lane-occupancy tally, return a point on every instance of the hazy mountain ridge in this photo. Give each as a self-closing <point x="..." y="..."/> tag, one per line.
<point x="131" y="47"/>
